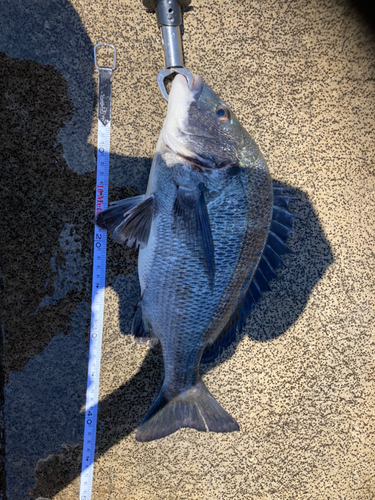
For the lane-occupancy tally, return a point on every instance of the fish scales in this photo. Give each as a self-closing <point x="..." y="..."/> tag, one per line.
<point x="258" y="219"/>
<point x="202" y="227"/>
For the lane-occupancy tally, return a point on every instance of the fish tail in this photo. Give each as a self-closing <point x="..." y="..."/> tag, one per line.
<point x="193" y="407"/>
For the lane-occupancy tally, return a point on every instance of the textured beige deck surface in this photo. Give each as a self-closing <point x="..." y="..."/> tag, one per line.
<point x="300" y="379"/>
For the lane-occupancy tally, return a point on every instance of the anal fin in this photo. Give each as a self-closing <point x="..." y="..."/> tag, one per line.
<point x="138" y="327"/>
<point x="141" y="333"/>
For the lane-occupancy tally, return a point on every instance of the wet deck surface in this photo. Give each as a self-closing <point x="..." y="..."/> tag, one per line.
<point x="300" y="379"/>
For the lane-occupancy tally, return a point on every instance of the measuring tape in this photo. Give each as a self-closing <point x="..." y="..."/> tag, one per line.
<point x="98" y="276"/>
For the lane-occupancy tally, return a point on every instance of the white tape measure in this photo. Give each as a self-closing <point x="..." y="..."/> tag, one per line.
<point x="98" y="276"/>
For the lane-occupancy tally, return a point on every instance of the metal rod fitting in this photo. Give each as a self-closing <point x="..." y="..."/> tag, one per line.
<point x="172" y="46"/>
<point x="169" y="18"/>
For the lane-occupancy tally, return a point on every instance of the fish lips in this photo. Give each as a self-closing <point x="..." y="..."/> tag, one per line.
<point x="195" y="89"/>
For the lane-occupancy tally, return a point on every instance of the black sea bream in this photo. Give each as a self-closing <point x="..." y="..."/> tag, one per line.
<point x="211" y="231"/>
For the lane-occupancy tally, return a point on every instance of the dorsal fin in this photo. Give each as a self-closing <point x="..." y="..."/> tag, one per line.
<point x="275" y="249"/>
<point x="128" y="220"/>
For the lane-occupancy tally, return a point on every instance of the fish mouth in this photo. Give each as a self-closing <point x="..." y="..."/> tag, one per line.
<point x="197" y="85"/>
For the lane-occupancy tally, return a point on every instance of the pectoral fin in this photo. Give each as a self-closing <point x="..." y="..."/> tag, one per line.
<point x="113" y="216"/>
<point x="129" y="220"/>
<point x="193" y="225"/>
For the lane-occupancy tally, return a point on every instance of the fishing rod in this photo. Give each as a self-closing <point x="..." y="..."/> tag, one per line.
<point x="169" y="19"/>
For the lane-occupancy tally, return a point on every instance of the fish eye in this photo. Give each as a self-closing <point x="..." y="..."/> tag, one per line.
<point x="223" y="113"/>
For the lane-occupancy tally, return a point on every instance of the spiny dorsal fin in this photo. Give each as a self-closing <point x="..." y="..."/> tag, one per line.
<point x="275" y="249"/>
<point x="192" y="223"/>
<point x="128" y="220"/>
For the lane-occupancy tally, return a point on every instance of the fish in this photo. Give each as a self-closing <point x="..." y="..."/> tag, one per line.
<point x="211" y="231"/>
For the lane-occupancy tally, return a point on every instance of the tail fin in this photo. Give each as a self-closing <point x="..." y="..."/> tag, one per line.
<point x="195" y="407"/>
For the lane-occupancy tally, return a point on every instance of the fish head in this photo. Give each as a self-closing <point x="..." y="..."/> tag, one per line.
<point x="200" y="128"/>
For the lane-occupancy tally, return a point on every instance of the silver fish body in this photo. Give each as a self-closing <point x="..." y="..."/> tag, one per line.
<point x="204" y="233"/>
